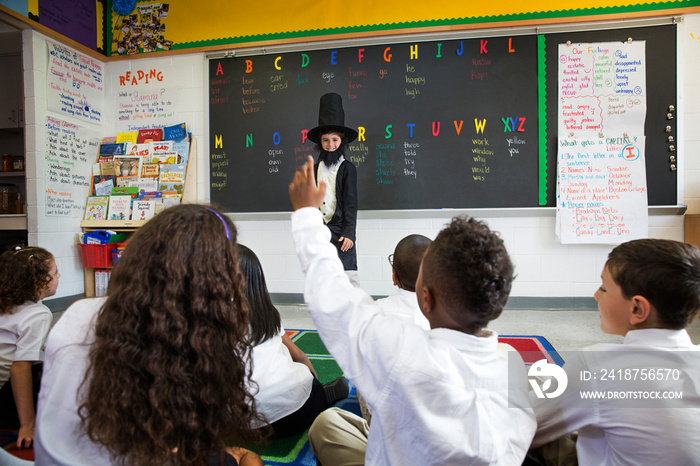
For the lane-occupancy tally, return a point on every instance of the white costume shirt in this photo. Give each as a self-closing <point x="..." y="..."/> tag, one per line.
<point x="57" y="438"/>
<point x="612" y="435"/>
<point x="283" y="385"/>
<point x="438" y="397"/>
<point x="328" y="175"/>
<point x="22" y="335"/>
<point x="404" y="305"/>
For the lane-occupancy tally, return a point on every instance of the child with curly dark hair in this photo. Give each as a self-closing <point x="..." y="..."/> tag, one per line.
<point x="27" y="275"/>
<point x="437" y="397"/>
<point x="155" y="372"/>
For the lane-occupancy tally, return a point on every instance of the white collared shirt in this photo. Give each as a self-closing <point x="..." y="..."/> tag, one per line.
<point x="404" y="305"/>
<point x="612" y="435"/>
<point x="438" y="397"/>
<point x="22" y="335"/>
<point x="328" y="175"/>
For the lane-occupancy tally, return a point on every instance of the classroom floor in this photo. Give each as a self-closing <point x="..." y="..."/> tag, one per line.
<point x="566" y="330"/>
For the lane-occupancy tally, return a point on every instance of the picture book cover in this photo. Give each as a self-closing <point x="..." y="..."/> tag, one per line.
<point x="107" y="168"/>
<point x="119" y="207"/>
<point x="139" y="150"/>
<point x="175" y="132"/>
<point x="96" y="207"/>
<point x="109" y="140"/>
<point x="150" y="195"/>
<point x="123" y="181"/>
<point x="172" y="173"/>
<point x="163" y="152"/>
<point x="145" y="185"/>
<point x="148" y="135"/>
<point x="102" y="185"/>
<point x="182" y="147"/>
<point x="168" y="187"/>
<point x="150" y="170"/>
<point x="144" y="209"/>
<point x="132" y="191"/>
<point x="112" y="149"/>
<point x="131" y="137"/>
<point x="126" y="165"/>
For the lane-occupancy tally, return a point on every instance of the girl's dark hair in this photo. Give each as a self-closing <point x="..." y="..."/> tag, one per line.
<point x="167" y="374"/>
<point x="468" y="268"/>
<point x="665" y="272"/>
<point x="24" y="276"/>
<point x="265" y="321"/>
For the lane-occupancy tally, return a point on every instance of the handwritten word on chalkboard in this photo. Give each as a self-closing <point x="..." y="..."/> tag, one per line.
<point x="442" y="124"/>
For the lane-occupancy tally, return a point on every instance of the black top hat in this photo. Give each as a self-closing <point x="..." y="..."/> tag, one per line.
<point x="331" y="116"/>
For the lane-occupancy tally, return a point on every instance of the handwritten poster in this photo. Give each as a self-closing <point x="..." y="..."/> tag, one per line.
<point x="602" y="195"/>
<point x="70" y="152"/>
<point x="602" y="88"/>
<point x="145" y="108"/>
<point x="75" y="84"/>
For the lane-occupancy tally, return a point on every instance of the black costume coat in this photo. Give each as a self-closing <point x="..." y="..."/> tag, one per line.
<point x="344" y="220"/>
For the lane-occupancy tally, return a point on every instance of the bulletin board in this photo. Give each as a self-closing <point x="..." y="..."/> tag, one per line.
<point x="453" y="123"/>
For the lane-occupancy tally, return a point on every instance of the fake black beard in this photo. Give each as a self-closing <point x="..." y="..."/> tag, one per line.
<point x="329" y="158"/>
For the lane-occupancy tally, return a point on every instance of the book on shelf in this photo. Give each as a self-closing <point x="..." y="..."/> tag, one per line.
<point x="144" y="209"/>
<point x="123" y="181"/>
<point x="148" y="135"/>
<point x="126" y="191"/>
<point x="171" y="187"/>
<point x="145" y="185"/>
<point x="175" y="132"/>
<point x="131" y="137"/>
<point x="102" y="185"/>
<point x="119" y="207"/>
<point x="140" y="150"/>
<point x="150" y="170"/>
<point x="182" y="147"/>
<point x="151" y="195"/>
<point x="111" y="149"/>
<point x="96" y="207"/>
<point x="126" y="165"/>
<point x="172" y="173"/>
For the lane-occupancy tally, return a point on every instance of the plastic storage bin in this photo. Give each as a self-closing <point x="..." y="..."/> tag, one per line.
<point x="98" y="255"/>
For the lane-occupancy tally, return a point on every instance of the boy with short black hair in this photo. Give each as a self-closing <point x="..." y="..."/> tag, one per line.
<point x="437" y="397"/>
<point x="650" y="292"/>
<point x="405" y="265"/>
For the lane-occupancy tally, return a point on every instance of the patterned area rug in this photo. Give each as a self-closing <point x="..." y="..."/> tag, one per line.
<point x="295" y="450"/>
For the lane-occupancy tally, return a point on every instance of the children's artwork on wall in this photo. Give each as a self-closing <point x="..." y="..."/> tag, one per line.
<point x="139" y="28"/>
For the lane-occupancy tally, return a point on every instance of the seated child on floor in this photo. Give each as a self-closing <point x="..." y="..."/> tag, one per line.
<point x="27" y="275"/>
<point x="405" y="263"/>
<point x="650" y="293"/>
<point x="155" y="373"/>
<point x="437" y="397"/>
<point x="285" y="386"/>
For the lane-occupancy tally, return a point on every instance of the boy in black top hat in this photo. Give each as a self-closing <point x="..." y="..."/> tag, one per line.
<point x="339" y="207"/>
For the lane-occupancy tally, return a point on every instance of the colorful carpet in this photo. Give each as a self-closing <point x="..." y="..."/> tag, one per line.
<point x="295" y="450"/>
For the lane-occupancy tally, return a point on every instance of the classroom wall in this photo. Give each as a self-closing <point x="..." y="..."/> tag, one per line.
<point x="56" y="234"/>
<point x="545" y="268"/>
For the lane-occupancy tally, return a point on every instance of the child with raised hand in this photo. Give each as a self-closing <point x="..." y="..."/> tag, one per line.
<point x="284" y="383"/>
<point x="650" y="293"/>
<point x="437" y="397"/>
<point x="27" y="275"/>
<point x="155" y="372"/>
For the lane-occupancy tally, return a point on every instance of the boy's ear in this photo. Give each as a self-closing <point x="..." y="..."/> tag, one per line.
<point x="428" y="304"/>
<point x="641" y="310"/>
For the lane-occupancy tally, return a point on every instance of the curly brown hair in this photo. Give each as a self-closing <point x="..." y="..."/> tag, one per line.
<point x="24" y="276"/>
<point x="468" y="267"/>
<point x="167" y="373"/>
